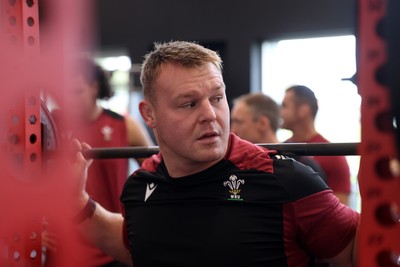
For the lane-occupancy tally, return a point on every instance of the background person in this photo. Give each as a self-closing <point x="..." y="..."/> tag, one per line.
<point x="298" y="111"/>
<point x="101" y="127"/>
<point x="255" y="117"/>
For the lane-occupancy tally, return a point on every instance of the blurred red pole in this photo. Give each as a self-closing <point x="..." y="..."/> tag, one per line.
<point x="37" y="40"/>
<point x="379" y="235"/>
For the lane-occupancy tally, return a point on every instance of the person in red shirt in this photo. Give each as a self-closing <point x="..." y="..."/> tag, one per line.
<point x="255" y="117"/>
<point x="88" y="121"/>
<point x="298" y="111"/>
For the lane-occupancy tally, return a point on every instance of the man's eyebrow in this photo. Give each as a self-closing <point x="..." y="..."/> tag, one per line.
<point x="220" y="87"/>
<point x="187" y="94"/>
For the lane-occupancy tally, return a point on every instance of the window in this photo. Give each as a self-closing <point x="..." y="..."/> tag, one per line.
<point x="321" y="64"/>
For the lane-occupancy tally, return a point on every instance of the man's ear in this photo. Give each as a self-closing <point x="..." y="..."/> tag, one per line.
<point x="95" y="89"/>
<point x="264" y="122"/>
<point x="146" y="110"/>
<point x="304" y="111"/>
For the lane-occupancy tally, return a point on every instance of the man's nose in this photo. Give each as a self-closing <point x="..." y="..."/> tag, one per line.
<point x="207" y="112"/>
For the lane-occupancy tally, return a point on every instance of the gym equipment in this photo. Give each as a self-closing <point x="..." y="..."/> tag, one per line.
<point x="288" y="149"/>
<point x="34" y="63"/>
<point x="378" y="84"/>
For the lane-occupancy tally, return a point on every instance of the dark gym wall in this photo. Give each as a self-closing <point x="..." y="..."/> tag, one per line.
<point x="229" y="25"/>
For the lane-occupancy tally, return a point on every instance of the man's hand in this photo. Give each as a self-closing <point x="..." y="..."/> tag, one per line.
<point x="80" y="167"/>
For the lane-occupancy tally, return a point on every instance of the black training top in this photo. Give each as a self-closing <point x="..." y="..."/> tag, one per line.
<point x="250" y="209"/>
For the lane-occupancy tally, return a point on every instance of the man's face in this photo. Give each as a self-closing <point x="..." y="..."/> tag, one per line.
<point x="289" y="111"/>
<point x="243" y="123"/>
<point x="190" y="116"/>
<point x="81" y="98"/>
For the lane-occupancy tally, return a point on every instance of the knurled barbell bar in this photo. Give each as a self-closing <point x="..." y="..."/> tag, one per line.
<point x="288" y="149"/>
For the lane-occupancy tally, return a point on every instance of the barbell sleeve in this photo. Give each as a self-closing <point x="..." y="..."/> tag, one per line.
<point x="288" y="149"/>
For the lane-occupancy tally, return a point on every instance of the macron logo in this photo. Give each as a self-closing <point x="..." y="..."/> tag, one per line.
<point x="149" y="190"/>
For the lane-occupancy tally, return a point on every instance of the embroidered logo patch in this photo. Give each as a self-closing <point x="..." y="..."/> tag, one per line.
<point x="107" y="132"/>
<point x="234" y="184"/>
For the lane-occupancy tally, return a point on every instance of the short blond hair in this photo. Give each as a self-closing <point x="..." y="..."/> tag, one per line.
<point x="187" y="54"/>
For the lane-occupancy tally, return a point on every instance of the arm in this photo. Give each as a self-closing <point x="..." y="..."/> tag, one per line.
<point x="103" y="228"/>
<point x="347" y="257"/>
<point x="343" y="197"/>
<point x="137" y="135"/>
<point x="327" y="228"/>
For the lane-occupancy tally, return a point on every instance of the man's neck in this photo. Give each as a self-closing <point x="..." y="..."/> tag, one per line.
<point x="175" y="172"/>
<point x="303" y="133"/>
<point x="94" y="114"/>
<point x="269" y="138"/>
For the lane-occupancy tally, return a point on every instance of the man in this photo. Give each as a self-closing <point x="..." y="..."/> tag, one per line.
<point x="299" y="109"/>
<point x="255" y="117"/>
<point x="209" y="198"/>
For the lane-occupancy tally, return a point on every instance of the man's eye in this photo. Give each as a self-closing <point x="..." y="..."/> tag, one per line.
<point x="218" y="99"/>
<point x="189" y="105"/>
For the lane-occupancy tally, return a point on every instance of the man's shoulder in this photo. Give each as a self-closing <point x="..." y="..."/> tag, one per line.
<point x="151" y="163"/>
<point x="112" y="114"/>
<point x="299" y="179"/>
<point x="247" y="155"/>
<point x="318" y="138"/>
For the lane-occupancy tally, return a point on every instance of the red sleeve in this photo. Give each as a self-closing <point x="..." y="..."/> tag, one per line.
<point x="323" y="225"/>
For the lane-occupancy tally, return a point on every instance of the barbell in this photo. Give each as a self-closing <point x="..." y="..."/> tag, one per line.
<point x="51" y="136"/>
<point x="288" y="149"/>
